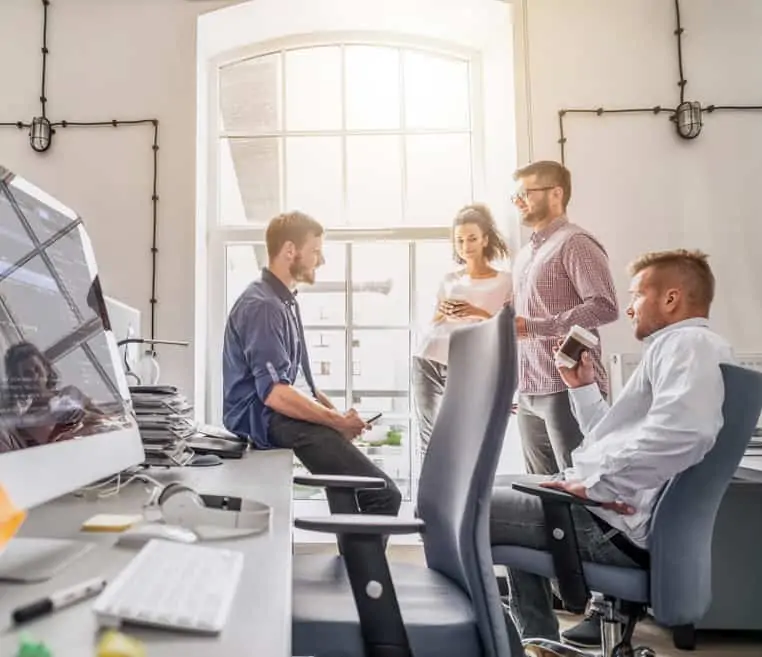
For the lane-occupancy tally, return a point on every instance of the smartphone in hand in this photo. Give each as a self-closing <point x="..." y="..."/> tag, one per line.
<point x="375" y="418"/>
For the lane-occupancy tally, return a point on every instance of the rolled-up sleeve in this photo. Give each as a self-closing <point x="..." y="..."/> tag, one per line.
<point x="262" y="332"/>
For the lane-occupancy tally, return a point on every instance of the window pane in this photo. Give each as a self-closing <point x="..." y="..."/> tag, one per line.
<point x="432" y="261"/>
<point x="368" y="404"/>
<point x="313" y="89"/>
<point x="387" y="446"/>
<point x="438" y="177"/>
<point x="324" y="302"/>
<point x="384" y="361"/>
<point x="374" y="180"/>
<point x="381" y="287"/>
<point x="373" y="88"/>
<point x="250" y="95"/>
<point x="243" y="263"/>
<point x="249" y="180"/>
<point x="327" y="351"/>
<point x="313" y="177"/>
<point x="436" y="92"/>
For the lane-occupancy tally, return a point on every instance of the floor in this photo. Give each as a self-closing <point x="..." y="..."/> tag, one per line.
<point x="647" y="633"/>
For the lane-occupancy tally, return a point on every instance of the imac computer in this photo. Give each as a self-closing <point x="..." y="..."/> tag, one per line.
<point x="65" y="413"/>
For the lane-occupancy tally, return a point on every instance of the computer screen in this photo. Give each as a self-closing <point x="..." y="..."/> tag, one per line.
<point x="60" y="375"/>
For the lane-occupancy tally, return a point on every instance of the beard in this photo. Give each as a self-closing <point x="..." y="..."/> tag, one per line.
<point x="539" y="214"/>
<point x="300" y="273"/>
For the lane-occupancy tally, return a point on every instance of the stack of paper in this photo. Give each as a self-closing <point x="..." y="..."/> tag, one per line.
<point x="165" y="421"/>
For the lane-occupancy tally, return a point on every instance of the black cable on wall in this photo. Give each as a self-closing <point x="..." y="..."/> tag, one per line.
<point x="114" y="123"/>
<point x="673" y="111"/>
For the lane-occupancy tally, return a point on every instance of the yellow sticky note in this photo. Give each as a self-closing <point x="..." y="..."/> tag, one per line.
<point x="11" y="517"/>
<point x="116" y="644"/>
<point x="110" y="522"/>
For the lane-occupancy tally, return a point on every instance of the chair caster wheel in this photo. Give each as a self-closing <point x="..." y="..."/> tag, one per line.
<point x="644" y="652"/>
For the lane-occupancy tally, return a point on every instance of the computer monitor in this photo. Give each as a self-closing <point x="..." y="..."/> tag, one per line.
<point x="65" y="413"/>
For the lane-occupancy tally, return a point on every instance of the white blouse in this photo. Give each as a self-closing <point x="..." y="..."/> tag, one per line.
<point x="489" y="294"/>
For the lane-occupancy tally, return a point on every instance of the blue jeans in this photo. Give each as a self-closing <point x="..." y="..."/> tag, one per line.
<point x="517" y="519"/>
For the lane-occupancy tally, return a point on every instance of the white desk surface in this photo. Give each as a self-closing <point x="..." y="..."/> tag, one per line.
<point x="260" y="620"/>
<point x="750" y="468"/>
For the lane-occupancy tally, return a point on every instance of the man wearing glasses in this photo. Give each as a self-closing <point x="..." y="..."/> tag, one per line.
<point x="561" y="278"/>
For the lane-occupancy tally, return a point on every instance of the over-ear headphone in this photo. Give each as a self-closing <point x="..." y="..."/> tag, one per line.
<point x="212" y="516"/>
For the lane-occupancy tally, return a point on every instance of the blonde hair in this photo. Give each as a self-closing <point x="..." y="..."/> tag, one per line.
<point x="692" y="267"/>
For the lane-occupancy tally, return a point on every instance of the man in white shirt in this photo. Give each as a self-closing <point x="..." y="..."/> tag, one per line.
<point x="663" y="422"/>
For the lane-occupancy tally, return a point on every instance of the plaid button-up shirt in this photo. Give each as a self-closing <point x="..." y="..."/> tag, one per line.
<point x="561" y="278"/>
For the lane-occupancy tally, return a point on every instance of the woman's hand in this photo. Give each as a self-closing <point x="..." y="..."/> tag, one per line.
<point x="463" y="309"/>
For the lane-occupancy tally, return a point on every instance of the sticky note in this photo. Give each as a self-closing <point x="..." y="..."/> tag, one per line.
<point x="110" y="522"/>
<point x="11" y="517"/>
<point x="116" y="644"/>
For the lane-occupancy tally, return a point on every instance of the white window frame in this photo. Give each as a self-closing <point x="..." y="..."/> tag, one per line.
<point x="219" y="236"/>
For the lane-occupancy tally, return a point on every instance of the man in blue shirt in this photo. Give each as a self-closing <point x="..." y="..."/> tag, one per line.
<point x="269" y="393"/>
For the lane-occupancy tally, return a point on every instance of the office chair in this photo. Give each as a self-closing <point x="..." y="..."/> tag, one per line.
<point x="358" y="605"/>
<point x="677" y="585"/>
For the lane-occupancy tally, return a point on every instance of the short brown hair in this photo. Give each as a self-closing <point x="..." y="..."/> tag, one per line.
<point x="480" y="215"/>
<point x="691" y="266"/>
<point x="549" y="172"/>
<point x="290" y="227"/>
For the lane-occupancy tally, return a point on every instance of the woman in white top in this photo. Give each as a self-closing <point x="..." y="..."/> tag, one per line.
<point x="473" y="293"/>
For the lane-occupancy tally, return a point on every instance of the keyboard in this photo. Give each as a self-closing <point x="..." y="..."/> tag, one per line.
<point x="173" y="585"/>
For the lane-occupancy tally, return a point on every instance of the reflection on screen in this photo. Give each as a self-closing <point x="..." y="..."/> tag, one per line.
<point x="57" y="366"/>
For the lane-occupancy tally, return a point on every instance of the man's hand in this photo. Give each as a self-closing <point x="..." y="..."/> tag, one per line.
<point x="351" y="425"/>
<point x="578" y="490"/>
<point x="521" y="328"/>
<point x="581" y="375"/>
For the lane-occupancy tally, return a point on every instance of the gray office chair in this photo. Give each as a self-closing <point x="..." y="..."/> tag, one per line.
<point x="359" y="605"/>
<point x="677" y="585"/>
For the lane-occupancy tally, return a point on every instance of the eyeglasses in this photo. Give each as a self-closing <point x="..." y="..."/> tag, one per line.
<point x="524" y="193"/>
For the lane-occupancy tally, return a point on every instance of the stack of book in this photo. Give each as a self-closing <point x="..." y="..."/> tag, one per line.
<point x="165" y="421"/>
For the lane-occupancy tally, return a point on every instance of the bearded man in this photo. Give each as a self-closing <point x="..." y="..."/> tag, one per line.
<point x="270" y="396"/>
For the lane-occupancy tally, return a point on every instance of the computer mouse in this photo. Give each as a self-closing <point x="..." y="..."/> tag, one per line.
<point x="138" y="535"/>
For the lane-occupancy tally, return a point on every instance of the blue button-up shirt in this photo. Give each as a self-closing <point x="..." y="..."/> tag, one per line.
<point x="264" y="345"/>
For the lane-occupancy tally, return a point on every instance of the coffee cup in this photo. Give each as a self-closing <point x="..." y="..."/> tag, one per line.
<point x="576" y="341"/>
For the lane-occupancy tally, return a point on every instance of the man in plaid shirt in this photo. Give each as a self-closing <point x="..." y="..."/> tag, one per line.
<point x="561" y="277"/>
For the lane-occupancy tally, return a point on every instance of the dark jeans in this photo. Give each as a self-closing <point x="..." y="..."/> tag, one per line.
<point x="429" y="378"/>
<point x="324" y="451"/>
<point x="517" y="519"/>
<point x="549" y="432"/>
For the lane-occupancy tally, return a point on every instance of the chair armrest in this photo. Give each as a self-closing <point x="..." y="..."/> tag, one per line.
<point x="553" y="495"/>
<point x="361" y="524"/>
<point x="562" y="542"/>
<point x="340" y="481"/>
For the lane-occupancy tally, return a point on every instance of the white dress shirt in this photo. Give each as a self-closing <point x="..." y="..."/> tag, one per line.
<point x="664" y="421"/>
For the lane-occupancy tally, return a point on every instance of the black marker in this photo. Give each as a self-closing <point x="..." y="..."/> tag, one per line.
<point x="59" y="600"/>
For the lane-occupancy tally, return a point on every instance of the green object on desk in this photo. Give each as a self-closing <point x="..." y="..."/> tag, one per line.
<point x="28" y="647"/>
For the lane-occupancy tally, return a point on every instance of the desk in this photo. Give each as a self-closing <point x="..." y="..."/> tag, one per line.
<point x="736" y="566"/>
<point x="260" y="621"/>
<point x="750" y="468"/>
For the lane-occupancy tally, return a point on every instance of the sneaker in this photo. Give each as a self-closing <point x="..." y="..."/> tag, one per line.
<point x="586" y="633"/>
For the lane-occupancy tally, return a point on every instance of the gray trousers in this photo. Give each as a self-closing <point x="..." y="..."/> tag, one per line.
<point x="429" y="377"/>
<point x="549" y="432"/>
<point x="517" y="519"/>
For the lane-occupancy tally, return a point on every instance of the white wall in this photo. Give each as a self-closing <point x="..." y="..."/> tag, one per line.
<point x="116" y="59"/>
<point x="636" y="184"/>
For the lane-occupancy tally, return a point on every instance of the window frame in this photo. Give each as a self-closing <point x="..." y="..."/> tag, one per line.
<point x="219" y="235"/>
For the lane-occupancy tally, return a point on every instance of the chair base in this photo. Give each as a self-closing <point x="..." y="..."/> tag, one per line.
<point x="547" y="648"/>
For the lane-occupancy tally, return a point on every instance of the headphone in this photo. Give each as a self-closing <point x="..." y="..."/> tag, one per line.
<point x="212" y="516"/>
